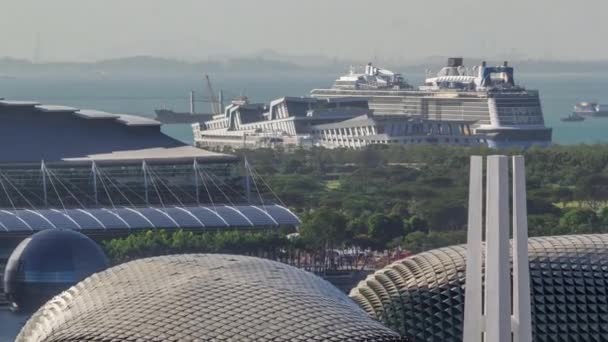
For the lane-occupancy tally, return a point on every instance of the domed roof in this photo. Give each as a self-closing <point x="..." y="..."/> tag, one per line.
<point x="205" y="297"/>
<point x="48" y="262"/>
<point x="422" y="296"/>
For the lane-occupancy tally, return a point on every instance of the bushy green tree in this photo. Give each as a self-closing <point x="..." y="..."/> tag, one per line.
<point x="417" y="224"/>
<point x="324" y="228"/>
<point x="579" y="220"/>
<point x="384" y="228"/>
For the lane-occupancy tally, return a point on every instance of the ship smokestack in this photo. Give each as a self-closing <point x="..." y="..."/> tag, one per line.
<point x="192" y="109"/>
<point x="368" y="68"/>
<point x="505" y="63"/>
<point x="483" y="63"/>
<point x="221" y="101"/>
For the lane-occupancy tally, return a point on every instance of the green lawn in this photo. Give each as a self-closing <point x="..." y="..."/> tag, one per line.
<point x="332" y="184"/>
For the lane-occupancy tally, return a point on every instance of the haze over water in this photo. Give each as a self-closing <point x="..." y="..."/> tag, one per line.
<point x="559" y="92"/>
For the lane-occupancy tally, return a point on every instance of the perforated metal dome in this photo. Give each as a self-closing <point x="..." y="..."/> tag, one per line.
<point x="422" y="296"/>
<point x="203" y="297"/>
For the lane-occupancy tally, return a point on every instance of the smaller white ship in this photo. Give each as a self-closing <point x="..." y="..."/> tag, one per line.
<point x="590" y="109"/>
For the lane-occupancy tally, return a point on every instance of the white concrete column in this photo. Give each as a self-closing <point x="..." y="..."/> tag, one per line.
<point x="522" y="310"/>
<point x="498" y="270"/>
<point x="500" y="318"/>
<point x="473" y="315"/>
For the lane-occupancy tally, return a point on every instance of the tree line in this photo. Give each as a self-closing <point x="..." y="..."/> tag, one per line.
<point x="410" y="198"/>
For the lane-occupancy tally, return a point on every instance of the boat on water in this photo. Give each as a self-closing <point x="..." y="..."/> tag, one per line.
<point x="573" y="117"/>
<point x="505" y="113"/>
<point x="592" y="109"/>
<point x="168" y="116"/>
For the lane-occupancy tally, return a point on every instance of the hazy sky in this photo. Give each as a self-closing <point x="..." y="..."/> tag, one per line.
<point x="382" y="29"/>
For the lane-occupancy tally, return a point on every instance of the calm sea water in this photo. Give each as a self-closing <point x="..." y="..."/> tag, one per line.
<point x="10" y="325"/>
<point x="141" y="96"/>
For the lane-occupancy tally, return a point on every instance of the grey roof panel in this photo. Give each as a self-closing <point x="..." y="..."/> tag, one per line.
<point x="203" y="297"/>
<point x="282" y="215"/>
<point x="108" y="218"/>
<point x="184" y="218"/>
<point x="179" y="153"/>
<point x="61" y="219"/>
<point x="8" y="103"/>
<point x="65" y="134"/>
<point x="10" y="222"/>
<point x="208" y="217"/>
<point x="258" y="215"/>
<point x="95" y="114"/>
<point x="134" y="218"/>
<point x="86" y="220"/>
<point x="35" y="219"/>
<point x="53" y="108"/>
<point x="134" y="120"/>
<point x="159" y="217"/>
<point x="234" y="216"/>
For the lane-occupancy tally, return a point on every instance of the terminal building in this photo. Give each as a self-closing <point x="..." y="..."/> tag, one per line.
<point x="331" y="123"/>
<point x="369" y="129"/>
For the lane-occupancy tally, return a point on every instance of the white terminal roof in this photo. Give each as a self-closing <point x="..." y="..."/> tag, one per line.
<point x="179" y="153"/>
<point x="53" y="108"/>
<point x="18" y="103"/>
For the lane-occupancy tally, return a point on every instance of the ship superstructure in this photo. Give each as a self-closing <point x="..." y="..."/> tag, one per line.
<point x="507" y="114"/>
<point x="590" y="109"/>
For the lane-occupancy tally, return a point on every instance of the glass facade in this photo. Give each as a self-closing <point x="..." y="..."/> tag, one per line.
<point x="68" y="185"/>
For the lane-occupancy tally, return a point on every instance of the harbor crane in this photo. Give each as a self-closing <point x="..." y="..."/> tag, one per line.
<point x="216" y="104"/>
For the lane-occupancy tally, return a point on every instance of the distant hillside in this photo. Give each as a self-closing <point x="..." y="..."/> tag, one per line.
<point x="267" y="63"/>
<point x="141" y="66"/>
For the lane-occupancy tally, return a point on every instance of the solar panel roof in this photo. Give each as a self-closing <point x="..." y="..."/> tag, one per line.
<point x="126" y="218"/>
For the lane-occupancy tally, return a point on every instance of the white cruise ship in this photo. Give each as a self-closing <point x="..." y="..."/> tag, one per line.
<point x="504" y="113"/>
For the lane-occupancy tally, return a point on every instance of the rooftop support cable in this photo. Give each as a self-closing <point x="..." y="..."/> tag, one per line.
<point x="95" y="192"/>
<point x="247" y="181"/>
<point x="44" y="190"/>
<point x="145" y="172"/>
<point x="196" y="184"/>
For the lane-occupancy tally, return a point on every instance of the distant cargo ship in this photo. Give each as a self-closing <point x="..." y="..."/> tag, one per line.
<point x="591" y="109"/>
<point x="168" y="116"/>
<point x="574" y="117"/>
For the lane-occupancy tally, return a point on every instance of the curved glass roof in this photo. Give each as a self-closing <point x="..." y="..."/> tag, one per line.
<point x="201" y="217"/>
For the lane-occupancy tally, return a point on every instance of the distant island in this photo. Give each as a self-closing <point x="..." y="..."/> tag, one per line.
<point x="261" y="64"/>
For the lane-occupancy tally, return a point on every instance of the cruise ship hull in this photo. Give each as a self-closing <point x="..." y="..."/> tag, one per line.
<point x="594" y="114"/>
<point x="516" y="115"/>
<point x="503" y="138"/>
